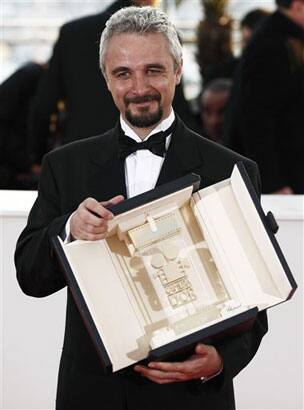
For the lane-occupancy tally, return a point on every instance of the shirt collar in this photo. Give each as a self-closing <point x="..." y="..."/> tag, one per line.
<point x="165" y="124"/>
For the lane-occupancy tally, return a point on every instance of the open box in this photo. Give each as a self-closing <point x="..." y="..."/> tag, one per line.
<point x="176" y="268"/>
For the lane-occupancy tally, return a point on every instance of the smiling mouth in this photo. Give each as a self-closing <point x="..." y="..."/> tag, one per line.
<point x="142" y="104"/>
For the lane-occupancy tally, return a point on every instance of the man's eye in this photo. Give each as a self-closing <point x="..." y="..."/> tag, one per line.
<point x="153" y="71"/>
<point x="123" y="74"/>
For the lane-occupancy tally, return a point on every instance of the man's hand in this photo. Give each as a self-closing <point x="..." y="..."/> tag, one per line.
<point x="90" y="220"/>
<point x="206" y="362"/>
<point x="286" y="190"/>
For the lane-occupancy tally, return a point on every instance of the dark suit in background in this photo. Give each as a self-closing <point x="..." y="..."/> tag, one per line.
<point x="265" y="116"/>
<point x="91" y="168"/>
<point x="75" y="77"/>
<point x="16" y="96"/>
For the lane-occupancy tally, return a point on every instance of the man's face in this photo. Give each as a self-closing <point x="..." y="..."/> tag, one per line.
<point x="298" y="10"/>
<point x="141" y="76"/>
<point x="213" y="111"/>
<point x="246" y="34"/>
<point x="295" y="12"/>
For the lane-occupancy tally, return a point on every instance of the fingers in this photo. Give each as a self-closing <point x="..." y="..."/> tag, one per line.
<point x="161" y="381"/>
<point x="213" y="360"/>
<point x="96" y="208"/>
<point x="190" y="366"/>
<point x="165" y="372"/>
<point x="113" y="201"/>
<point x="186" y="370"/>
<point x="284" y="191"/>
<point x="205" y="362"/>
<point x="90" y="220"/>
<point x="158" y="376"/>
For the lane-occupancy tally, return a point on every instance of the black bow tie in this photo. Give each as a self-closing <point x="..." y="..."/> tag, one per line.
<point x="156" y="143"/>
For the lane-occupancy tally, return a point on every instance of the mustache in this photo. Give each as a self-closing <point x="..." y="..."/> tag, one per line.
<point x="142" y="98"/>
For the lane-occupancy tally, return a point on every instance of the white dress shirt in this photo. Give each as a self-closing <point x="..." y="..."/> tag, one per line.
<point x="142" y="168"/>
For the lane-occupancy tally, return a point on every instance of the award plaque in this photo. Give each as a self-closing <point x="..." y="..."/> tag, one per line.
<point x="179" y="266"/>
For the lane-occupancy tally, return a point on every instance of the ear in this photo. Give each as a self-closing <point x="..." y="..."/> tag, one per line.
<point x="178" y="73"/>
<point x="107" y="80"/>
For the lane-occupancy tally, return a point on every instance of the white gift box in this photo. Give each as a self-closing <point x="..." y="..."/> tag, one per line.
<point x="176" y="268"/>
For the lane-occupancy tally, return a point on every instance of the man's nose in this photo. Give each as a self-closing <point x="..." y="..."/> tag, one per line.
<point x="140" y="84"/>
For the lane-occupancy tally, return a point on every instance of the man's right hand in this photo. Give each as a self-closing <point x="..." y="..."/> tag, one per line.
<point x="286" y="190"/>
<point x="90" y="220"/>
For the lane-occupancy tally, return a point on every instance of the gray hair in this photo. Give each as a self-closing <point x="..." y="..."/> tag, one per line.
<point x="142" y="21"/>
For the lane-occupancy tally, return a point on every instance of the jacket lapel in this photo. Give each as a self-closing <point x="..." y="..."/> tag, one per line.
<point x="107" y="176"/>
<point x="183" y="156"/>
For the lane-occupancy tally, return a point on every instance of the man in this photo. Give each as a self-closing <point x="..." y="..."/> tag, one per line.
<point x="213" y="105"/>
<point x="141" y="58"/>
<point x="250" y="23"/>
<point x="74" y="77"/>
<point x="16" y="97"/>
<point x="265" y="114"/>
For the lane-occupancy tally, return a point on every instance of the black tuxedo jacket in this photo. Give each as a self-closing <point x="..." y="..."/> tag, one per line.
<point x="91" y="168"/>
<point x="264" y="118"/>
<point x="75" y="77"/>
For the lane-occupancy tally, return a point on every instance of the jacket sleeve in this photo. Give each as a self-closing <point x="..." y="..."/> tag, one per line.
<point x="37" y="271"/>
<point x="238" y="351"/>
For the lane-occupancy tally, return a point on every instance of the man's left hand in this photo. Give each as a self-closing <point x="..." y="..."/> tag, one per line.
<point x="206" y="362"/>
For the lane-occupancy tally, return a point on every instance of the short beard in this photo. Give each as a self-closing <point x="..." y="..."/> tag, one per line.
<point x="144" y="119"/>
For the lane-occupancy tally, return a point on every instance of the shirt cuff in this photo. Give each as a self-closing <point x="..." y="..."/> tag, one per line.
<point x="205" y="379"/>
<point x="66" y="234"/>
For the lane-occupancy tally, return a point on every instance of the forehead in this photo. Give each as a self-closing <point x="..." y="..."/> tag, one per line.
<point x="214" y="100"/>
<point x="133" y="50"/>
<point x="215" y="96"/>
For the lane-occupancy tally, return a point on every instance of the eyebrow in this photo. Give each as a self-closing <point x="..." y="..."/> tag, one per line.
<point x="152" y="65"/>
<point x="119" y="69"/>
<point x="155" y="65"/>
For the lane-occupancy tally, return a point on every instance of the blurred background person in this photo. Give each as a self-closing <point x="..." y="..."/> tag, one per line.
<point x="249" y="23"/>
<point x="16" y="97"/>
<point x="74" y="77"/>
<point x="226" y="67"/>
<point x="214" y="100"/>
<point x="214" y="38"/>
<point x="264" y="118"/>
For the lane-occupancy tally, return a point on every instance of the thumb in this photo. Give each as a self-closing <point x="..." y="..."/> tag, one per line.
<point x="116" y="199"/>
<point x="113" y="201"/>
<point x="202" y="349"/>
